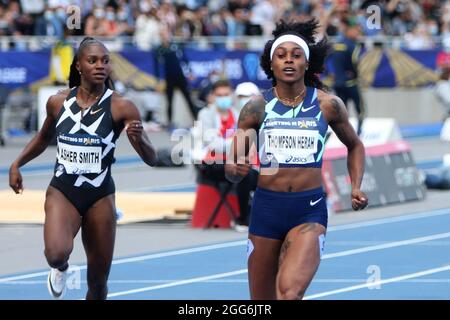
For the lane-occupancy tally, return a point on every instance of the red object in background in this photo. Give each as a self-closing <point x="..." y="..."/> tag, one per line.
<point x="207" y="198"/>
<point x="443" y="59"/>
<point x="227" y="124"/>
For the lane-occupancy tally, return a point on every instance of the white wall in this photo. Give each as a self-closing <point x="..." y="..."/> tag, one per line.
<point x="407" y="106"/>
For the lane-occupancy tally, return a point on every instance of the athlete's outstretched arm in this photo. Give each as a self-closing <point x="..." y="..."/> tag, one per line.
<point x="250" y="119"/>
<point x="35" y="147"/>
<point x="338" y="120"/>
<point x="135" y="131"/>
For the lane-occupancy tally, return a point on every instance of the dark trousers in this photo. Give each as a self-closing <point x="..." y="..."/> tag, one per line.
<point x="170" y="88"/>
<point x="244" y="191"/>
<point x="353" y="94"/>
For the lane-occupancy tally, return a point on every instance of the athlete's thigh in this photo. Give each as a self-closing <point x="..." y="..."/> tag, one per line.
<point x="62" y="221"/>
<point x="99" y="230"/>
<point x="263" y="266"/>
<point x="300" y="256"/>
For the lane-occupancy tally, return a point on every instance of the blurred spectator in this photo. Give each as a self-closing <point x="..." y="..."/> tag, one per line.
<point x="205" y="87"/>
<point x="345" y="63"/>
<point x="442" y="88"/>
<point x="95" y="25"/>
<point x="168" y="59"/>
<point x="49" y="24"/>
<point x="404" y="15"/>
<point x="236" y="22"/>
<point x="188" y="19"/>
<point x="419" y="38"/>
<point x="32" y="6"/>
<point x="188" y="26"/>
<point x="264" y="14"/>
<point x="148" y="27"/>
<point x="23" y="22"/>
<point x="111" y="26"/>
<point x="4" y="24"/>
<point x="215" y="124"/>
<point x="60" y="60"/>
<point x="168" y="16"/>
<point x="125" y="25"/>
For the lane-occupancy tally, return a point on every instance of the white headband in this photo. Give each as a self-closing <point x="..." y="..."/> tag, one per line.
<point x="290" y="38"/>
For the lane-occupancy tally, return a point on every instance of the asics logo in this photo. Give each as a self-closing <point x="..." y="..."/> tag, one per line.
<point x="296" y="159"/>
<point x="313" y="203"/>
<point x="307" y="109"/>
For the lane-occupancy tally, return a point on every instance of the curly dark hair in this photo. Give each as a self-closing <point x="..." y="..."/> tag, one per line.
<point x="74" y="75"/>
<point x="318" y="51"/>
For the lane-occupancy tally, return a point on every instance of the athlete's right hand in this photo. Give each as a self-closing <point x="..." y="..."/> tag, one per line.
<point x="15" y="179"/>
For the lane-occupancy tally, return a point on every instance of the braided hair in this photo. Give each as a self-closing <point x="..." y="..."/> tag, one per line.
<point x="318" y="51"/>
<point x="74" y="75"/>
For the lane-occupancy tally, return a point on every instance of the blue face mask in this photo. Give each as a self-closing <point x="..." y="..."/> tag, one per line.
<point x="224" y="103"/>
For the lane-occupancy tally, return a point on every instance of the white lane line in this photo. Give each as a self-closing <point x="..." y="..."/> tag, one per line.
<point x="224" y="281"/>
<point x="244" y="242"/>
<point x="167" y="188"/>
<point x="377" y="283"/>
<point x="376" y="222"/>
<point x="387" y="245"/>
<point x="326" y="256"/>
<point x="182" y="251"/>
<point x="140" y="258"/>
<point x="25" y="276"/>
<point x="178" y="283"/>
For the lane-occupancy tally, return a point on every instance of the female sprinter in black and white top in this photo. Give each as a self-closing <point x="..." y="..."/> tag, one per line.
<point x="87" y="120"/>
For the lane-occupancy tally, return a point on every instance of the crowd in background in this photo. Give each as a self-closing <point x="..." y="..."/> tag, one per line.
<point x="419" y="22"/>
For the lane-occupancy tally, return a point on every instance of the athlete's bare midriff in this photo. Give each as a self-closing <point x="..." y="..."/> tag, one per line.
<point x="290" y="179"/>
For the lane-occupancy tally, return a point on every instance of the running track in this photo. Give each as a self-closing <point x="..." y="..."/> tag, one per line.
<point x="402" y="257"/>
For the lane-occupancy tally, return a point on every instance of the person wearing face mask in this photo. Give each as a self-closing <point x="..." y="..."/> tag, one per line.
<point x="217" y="120"/>
<point x="110" y="23"/>
<point x="49" y="25"/>
<point x="124" y="24"/>
<point x="95" y="25"/>
<point x="212" y="134"/>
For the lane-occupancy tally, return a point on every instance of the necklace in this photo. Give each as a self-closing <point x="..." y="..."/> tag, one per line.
<point x="84" y="102"/>
<point x="90" y="94"/>
<point x="290" y="102"/>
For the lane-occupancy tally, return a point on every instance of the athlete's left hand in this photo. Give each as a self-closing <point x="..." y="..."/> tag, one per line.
<point x="359" y="199"/>
<point x="134" y="130"/>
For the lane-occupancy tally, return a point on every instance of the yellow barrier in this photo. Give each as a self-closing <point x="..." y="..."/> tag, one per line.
<point x="29" y="206"/>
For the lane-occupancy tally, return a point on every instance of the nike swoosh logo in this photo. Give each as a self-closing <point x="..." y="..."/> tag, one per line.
<point x="94" y="112"/>
<point x="307" y="109"/>
<point x="313" y="203"/>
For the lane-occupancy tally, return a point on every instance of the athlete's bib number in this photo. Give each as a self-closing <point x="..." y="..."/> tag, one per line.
<point x="80" y="153"/>
<point x="291" y="146"/>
